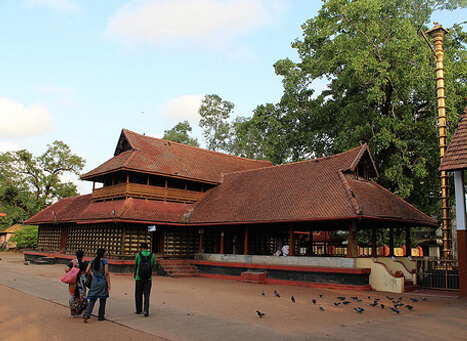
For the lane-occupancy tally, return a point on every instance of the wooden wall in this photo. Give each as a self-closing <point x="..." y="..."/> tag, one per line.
<point x="181" y="241"/>
<point x="48" y="238"/>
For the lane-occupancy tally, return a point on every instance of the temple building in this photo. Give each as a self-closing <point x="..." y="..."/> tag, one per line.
<point x="191" y="203"/>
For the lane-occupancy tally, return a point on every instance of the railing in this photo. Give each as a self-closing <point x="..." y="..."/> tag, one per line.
<point x="438" y="274"/>
<point x="132" y="190"/>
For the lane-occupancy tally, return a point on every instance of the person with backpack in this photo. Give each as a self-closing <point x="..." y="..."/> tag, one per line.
<point x="144" y="263"/>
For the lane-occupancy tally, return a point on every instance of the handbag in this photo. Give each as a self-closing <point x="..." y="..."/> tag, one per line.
<point x="70" y="276"/>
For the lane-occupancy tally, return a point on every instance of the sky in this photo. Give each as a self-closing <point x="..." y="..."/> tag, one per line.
<point x="81" y="71"/>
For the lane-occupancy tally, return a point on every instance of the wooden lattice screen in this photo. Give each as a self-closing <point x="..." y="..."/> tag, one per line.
<point x="182" y="242"/>
<point x="48" y="238"/>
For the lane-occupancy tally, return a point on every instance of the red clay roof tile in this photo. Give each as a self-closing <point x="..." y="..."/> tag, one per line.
<point x="153" y="155"/>
<point x="456" y="154"/>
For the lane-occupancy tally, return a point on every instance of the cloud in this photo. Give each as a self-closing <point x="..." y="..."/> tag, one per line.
<point x="183" y="108"/>
<point x="64" y="97"/>
<point x="57" y="5"/>
<point x="17" y="120"/>
<point x="206" y="23"/>
<point x="6" y="146"/>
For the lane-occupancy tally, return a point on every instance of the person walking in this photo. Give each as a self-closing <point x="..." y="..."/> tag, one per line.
<point x="144" y="263"/>
<point x="77" y="290"/>
<point x="100" y="285"/>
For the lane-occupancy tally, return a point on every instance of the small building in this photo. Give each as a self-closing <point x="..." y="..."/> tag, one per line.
<point x="6" y="234"/>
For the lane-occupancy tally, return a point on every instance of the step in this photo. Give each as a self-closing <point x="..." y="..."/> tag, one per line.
<point x="184" y="275"/>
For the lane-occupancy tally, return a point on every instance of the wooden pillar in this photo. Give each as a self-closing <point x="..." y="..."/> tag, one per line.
<point x="291" y="241"/>
<point x="373" y="241"/>
<point x="352" y="244"/>
<point x="201" y="234"/>
<point x="93" y="186"/>
<point x="311" y="243"/>
<point x="408" y="243"/>
<point x="246" y="245"/>
<point x="391" y="242"/>
<point x="221" y="251"/>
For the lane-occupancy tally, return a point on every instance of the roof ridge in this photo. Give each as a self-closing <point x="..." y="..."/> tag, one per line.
<point x="349" y="192"/>
<point x="298" y="162"/>
<point x="188" y="146"/>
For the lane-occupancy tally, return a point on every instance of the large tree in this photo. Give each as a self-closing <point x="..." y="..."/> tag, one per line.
<point x="381" y="90"/>
<point x="181" y="134"/>
<point x="29" y="183"/>
<point x="215" y="113"/>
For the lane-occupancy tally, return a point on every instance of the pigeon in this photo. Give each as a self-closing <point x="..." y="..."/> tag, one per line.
<point x="423" y="299"/>
<point x="395" y="301"/>
<point x="395" y="310"/>
<point x="400" y="298"/>
<point x="413" y="299"/>
<point x="369" y="297"/>
<point x="320" y="295"/>
<point x="382" y="306"/>
<point x="377" y="299"/>
<point x="276" y="293"/>
<point x="359" y="310"/>
<point x="320" y="307"/>
<point x="354" y="297"/>
<point x="262" y="293"/>
<point x="342" y="298"/>
<point x="292" y="299"/>
<point x="260" y="314"/>
<point x="408" y="306"/>
<point x="346" y="302"/>
<point x="358" y="300"/>
<point x="390" y="298"/>
<point x="314" y="301"/>
<point x="337" y="303"/>
<point x="374" y="304"/>
<point x="399" y="305"/>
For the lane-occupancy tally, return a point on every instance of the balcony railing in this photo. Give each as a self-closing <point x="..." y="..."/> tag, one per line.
<point x="132" y="190"/>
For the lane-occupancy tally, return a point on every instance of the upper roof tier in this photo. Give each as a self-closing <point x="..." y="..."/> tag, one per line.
<point x="140" y="153"/>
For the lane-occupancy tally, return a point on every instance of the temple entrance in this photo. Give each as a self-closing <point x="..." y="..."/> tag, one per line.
<point x="157" y="238"/>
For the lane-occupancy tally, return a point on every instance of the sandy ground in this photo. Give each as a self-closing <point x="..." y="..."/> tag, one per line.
<point x="35" y="302"/>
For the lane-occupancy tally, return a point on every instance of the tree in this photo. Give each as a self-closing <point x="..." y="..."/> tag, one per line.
<point x="380" y="90"/>
<point x="214" y="114"/>
<point x="180" y="134"/>
<point x="29" y="183"/>
<point x="26" y="238"/>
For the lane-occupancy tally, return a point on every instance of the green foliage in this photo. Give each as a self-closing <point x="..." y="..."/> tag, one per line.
<point x="26" y="238"/>
<point x="214" y="114"/>
<point x="181" y="134"/>
<point x="381" y="90"/>
<point x="29" y="183"/>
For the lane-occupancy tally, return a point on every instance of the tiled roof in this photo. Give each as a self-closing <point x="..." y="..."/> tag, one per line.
<point x="153" y="155"/>
<point x="456" y="154"/>
<point x="82" y="209"/>
<point x="303" y="191"/>
<point x="314" y="190"/>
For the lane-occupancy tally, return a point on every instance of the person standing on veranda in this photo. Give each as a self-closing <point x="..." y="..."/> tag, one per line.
<point x="144" y="263"/>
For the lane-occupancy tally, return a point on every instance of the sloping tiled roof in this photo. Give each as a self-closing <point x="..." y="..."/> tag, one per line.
<point x="456" y="154"/>
<point x="303" y="191"/>
<point x="317" y="190"/>
<point x="82" y="209"/>
<point x="153" y="155"/>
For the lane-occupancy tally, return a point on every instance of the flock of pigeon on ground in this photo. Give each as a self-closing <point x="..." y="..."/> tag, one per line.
<point x="394" y="304"/>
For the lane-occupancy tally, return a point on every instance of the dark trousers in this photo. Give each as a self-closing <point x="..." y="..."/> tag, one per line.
<point x="142" y="287"/>
<point x="92" y="301"/>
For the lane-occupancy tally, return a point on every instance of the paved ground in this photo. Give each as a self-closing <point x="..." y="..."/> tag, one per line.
<point x="34" y="305"/>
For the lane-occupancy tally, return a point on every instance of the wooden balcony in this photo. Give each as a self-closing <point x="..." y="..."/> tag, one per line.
<point x="132" y="190"/>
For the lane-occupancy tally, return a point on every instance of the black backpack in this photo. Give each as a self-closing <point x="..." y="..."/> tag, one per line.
<point x="145" y="266"/>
